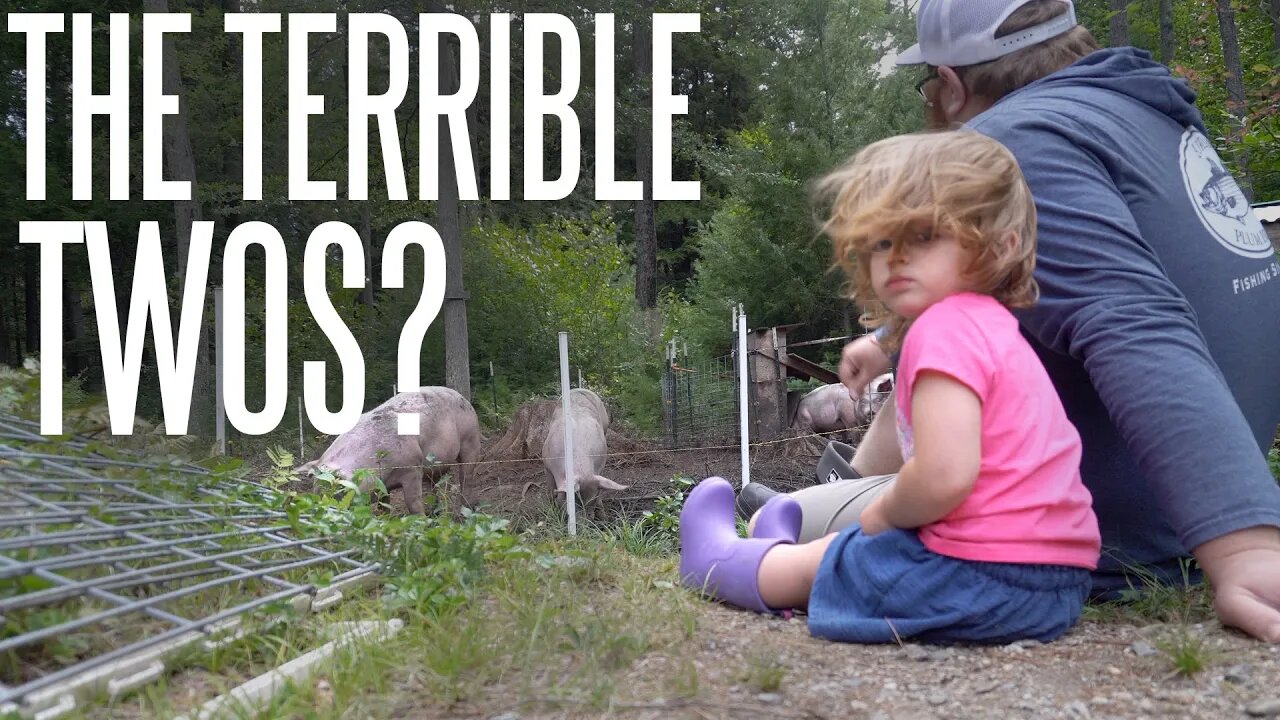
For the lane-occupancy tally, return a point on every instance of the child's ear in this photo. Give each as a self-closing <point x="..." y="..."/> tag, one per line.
<point x="1012" y="241"/>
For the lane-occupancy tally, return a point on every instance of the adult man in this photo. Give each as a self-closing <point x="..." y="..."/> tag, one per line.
<point x="1159" y="297"/>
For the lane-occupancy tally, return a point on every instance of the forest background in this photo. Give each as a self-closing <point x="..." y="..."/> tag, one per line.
<point x="778" y="94"/>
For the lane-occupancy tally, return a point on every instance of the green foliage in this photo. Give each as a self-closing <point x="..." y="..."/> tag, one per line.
<point x="764" y="672"/>
<point x="558" y="275"/>
<point x="1187" y="652"/>
<point x="664" y="518"/>
<point x="1273" y="460"/>
<point x="430" y="564"/>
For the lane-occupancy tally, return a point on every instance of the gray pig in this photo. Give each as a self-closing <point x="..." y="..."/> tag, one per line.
<point x="448" y="429"/>
<point x="589" y="421"/>
<point x="830" y="408"/>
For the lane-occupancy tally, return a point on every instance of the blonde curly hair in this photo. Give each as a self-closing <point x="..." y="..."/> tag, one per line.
<point x="957" y="182"/>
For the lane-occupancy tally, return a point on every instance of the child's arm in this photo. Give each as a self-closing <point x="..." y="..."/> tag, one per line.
<point x="946" y="418"/>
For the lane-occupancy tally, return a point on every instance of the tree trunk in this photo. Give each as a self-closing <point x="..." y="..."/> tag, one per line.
<point x="5" y="359"/>
<point x="646" y="231"/>
<point x="232" y="155"/>
<point x="1275" y="26"/>
<point x="17" y="328"/>
<point x="1119" y="23"/>
<point x="180" y="163"/>
<point x="457" y="354"/>
<point x="366" y="241"/>
<point x="1166" y="32"/>
<point x="1235" y="93"/>
<point x="30" y="281"/>
<point x="73" y="329"/>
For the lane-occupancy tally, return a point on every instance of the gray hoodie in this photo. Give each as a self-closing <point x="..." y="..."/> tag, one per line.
<point x="1159" y="318"/>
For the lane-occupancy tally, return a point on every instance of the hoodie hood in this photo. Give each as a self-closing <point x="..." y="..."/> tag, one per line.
<point x="1126" y="71"/>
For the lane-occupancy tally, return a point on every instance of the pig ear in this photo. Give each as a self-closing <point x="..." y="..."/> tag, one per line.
<point x="608" y="484"/>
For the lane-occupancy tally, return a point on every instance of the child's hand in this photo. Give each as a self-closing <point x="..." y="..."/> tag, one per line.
<point x="860" y="362"/>
<point x="873" y="519"/>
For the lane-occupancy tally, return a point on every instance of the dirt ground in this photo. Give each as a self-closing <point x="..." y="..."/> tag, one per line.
<point x="1101" y="669"/>
<point x="646" y="468"/>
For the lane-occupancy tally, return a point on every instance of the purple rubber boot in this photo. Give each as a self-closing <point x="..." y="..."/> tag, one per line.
<point x="779" y="518"/>
<point x="713" y="558"/>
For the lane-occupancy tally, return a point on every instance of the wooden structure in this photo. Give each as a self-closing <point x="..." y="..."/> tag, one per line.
<point x="770" y="364"/>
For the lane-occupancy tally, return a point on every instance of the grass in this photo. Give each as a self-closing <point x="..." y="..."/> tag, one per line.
<point x="763" y="673"/>
<point x="561" y="627"/>
<point x="1186" y="651"/>
<point x="1150" y="600"/>
<point x="1179" y="606"/>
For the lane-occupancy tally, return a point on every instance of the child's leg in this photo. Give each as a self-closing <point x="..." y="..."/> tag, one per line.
<point x="787" y="572"/>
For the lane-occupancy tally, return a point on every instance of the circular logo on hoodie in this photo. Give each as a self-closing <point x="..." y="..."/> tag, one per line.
<point x="1217" y="198"/>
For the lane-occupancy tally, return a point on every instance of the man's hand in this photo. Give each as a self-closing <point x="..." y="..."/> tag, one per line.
<point x="862" y="360"/>
<point x="1244" y="568"/>
<point x="872" y="518"/>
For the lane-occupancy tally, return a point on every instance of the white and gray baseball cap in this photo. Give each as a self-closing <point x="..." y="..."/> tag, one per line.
<point x="957" y="33"/>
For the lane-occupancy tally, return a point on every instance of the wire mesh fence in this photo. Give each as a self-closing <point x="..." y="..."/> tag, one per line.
<point x="109" y="564"/>
<point x="700" y="400"/>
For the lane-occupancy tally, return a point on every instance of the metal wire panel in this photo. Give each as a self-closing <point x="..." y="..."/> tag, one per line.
<point x="701" y="401"/>
<point x="108" y="564"/>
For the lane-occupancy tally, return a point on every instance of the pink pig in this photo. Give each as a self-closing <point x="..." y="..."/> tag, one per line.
<point x="590" y="420"/>
<point x="830" y="407"/>
<point x="448" y="430"/>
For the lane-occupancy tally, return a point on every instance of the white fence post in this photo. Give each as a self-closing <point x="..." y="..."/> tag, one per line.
<point x="569" y="494"/>
<point x="220" y="410"/>
<point x="742" y="395"/>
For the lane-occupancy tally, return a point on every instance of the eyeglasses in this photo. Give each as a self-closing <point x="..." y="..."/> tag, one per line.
<point x="933" y="75"/>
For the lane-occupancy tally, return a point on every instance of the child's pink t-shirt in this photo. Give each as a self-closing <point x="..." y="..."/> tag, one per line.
<point x="1028" y="504"/>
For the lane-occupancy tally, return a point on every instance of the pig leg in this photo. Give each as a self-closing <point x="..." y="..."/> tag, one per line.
<point x="408" y="479"/>
<point x="413" y="494"/>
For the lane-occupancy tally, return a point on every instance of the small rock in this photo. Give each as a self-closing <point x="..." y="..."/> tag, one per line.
<point x="1123" y="696"/>
<point x="769" y="698"/>
<point x="1146" y="705"/>
<point x="1143" y="649"/>
<point x="1237" y="674"/>
<point x="891" y="686"/>
<point x="505" y="716"/>
<point x="940" y="655"/>
<point x="936" y="698"/>
<point x="1264" y="708"/>
<point x="986" y="687"/>
<point x="1014" y="647"/>
<point x="1113" y="670"/>
<point x="324" y="694"/>
<point x="917" y="653"/>
<point x="1078" y="709"/>
<point x="912" y="687"/>
<point x="1099" y="700"/>
<point x="858" y="706"/>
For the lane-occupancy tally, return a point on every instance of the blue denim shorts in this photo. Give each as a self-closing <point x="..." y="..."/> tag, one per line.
<point x="886" y="587"/>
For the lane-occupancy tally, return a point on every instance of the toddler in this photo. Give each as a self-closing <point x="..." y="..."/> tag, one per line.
<point x="988" y="534"/>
